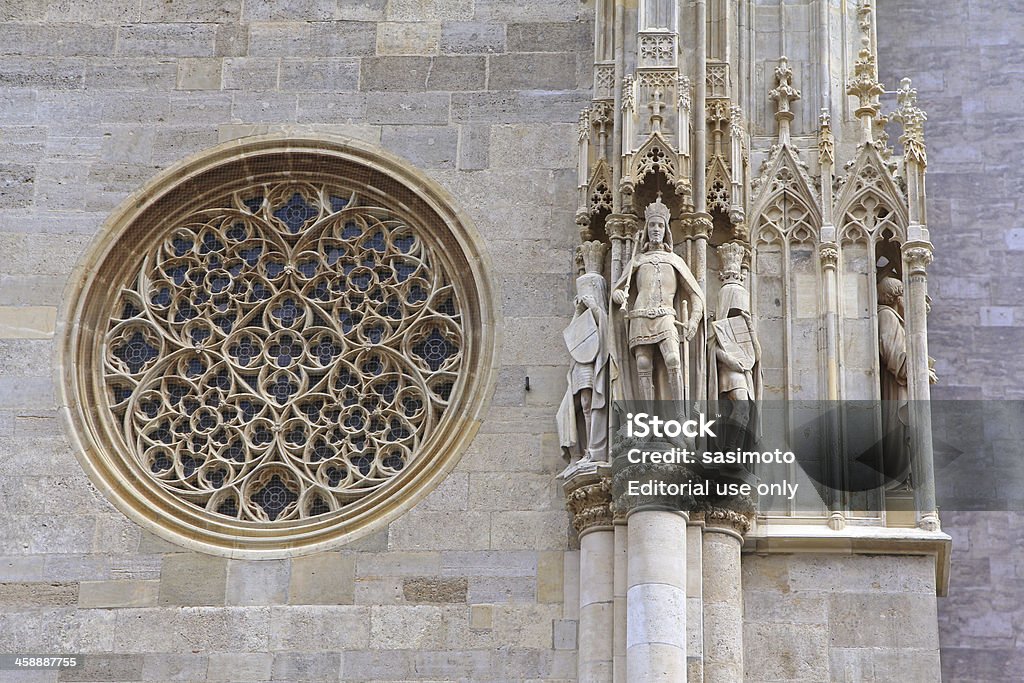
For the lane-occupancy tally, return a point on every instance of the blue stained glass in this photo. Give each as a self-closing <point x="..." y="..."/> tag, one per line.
<point x="178" y="274"/>
<point x="434" y="350"/>
<point x="161" y="463"/>
<point x="252" y="256"/>
<point x="376" y="242"/>
<point x="274" y="498"/>
<point x="338" y="203"/>
<point x="237" y="232"/>
<point x="296" y="213"/>
<point x="405" y="243"/>
<point x="136" y="352"/>
<point x="253" y="203"/>
<point x="308" y="268"/>
<point x="351" y="231"/>
<point x="416" y="294"/>
<point x="163" y="297"/>
<point x="211" y="244"/>
<point x="181" y="246"/>
<point x="404" y="271"/>
<point x="334" y="253"/>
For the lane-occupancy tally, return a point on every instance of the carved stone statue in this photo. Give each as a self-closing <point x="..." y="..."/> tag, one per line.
<point x="583" y="414"/>
<point x="734" y="355"/>
<point x="660" y="298"/>
<point x="892" y="354"/>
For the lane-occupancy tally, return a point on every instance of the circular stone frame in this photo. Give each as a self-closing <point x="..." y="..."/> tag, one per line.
<point x="147" y="214"/>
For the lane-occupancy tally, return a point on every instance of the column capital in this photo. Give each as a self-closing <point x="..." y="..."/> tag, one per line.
<point x="696" y="225"/>
<point x="588" y="498"/>
<point x="917" y="256"/>
<point x="829" y="254"/>
<point x="654" y="483"/>
<point x="622" y="225"/>
<point x="734" y="516"/>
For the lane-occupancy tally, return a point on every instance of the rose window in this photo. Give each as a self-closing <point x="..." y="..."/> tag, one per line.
<point x="275" y="353"/>
<point x="282" y="354"/>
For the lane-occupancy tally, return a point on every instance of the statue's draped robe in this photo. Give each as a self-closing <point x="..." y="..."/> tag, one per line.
<point x="892" y="353"/>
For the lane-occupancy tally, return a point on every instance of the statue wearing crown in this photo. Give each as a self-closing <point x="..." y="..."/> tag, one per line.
<point x="663" y="306"/>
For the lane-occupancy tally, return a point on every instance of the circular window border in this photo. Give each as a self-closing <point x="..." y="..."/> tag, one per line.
<point x="156" y="510"/>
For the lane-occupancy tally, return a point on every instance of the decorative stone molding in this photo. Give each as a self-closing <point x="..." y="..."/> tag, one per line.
<point x="588" y="499"/>
<point x="917" y="256"/>
<point x="741" y="522"/>
<point x="829" y="253"/>
<point x="175" y="420"/>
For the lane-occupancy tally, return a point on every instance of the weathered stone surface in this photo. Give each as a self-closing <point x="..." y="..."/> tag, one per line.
<point x="193" y="579"/>
<point x="110" y="594"/>
<point x="293" y="666"/>
<point x="304" y="75"/>
<point x="202" y="73"/>
<point x="15" y="595"/>
<point x="308" y="628"/>
<point x="413" y="627"/>
<point x="430" y="589"/>
<point x="240" y="666"/>
<point x="176" y="667"/>
<point x="416" y="10"/>
<point x="319" y="39"/>
<point x="408" y="38"/>
<point x="322" y="579"/>
<point x="169" y="40"/>
<point x="106" y="667"/>
<point x="465" y="37"/>
<point x="250" y="73"/>
<point x="425" y="146"/>
<point x="258" y="582"/>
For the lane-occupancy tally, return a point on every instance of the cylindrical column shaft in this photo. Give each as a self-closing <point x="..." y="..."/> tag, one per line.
<point x="723" y="606"/>
<point x="916" y="257"/>
<point x="700" y="96"/>
<point x="596" y="624"/>
<point x="656" y="597"/>
<point x="619" y="586"/>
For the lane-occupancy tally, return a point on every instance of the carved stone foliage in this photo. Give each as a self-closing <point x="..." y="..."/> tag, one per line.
<point x="282" y="352"/>
<point x="590" y="504"/>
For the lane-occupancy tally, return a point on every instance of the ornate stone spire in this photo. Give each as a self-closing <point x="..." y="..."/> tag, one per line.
<point x="912" y="117"/>
<point x="784" y="94"/>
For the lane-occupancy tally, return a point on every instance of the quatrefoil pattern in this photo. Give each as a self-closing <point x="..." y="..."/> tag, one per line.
<point x="283" y="353"/>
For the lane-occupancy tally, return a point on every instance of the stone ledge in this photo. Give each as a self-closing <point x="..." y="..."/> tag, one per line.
<point x="819" y="539"/>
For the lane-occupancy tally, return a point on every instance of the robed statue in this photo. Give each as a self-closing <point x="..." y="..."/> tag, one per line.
<point x="663" y="306"/>
<point x="892" y="356"/>
<point x="583" y="414"/>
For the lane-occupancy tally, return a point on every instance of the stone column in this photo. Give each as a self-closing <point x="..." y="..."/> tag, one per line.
<point x="916" y="257"/>
<point x="723" y="595"/>
<point x="619" y="586"/>
<point x="655" y="575"/>
<point x="588" y="497"/>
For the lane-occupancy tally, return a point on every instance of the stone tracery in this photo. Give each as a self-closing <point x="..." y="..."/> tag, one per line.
<point x="283" y="352"/>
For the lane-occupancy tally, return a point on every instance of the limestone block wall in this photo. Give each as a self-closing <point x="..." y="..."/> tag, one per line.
<point x="967" y="59"/>
<point x="840" y="618"/>
<point x="97" y="97"/>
